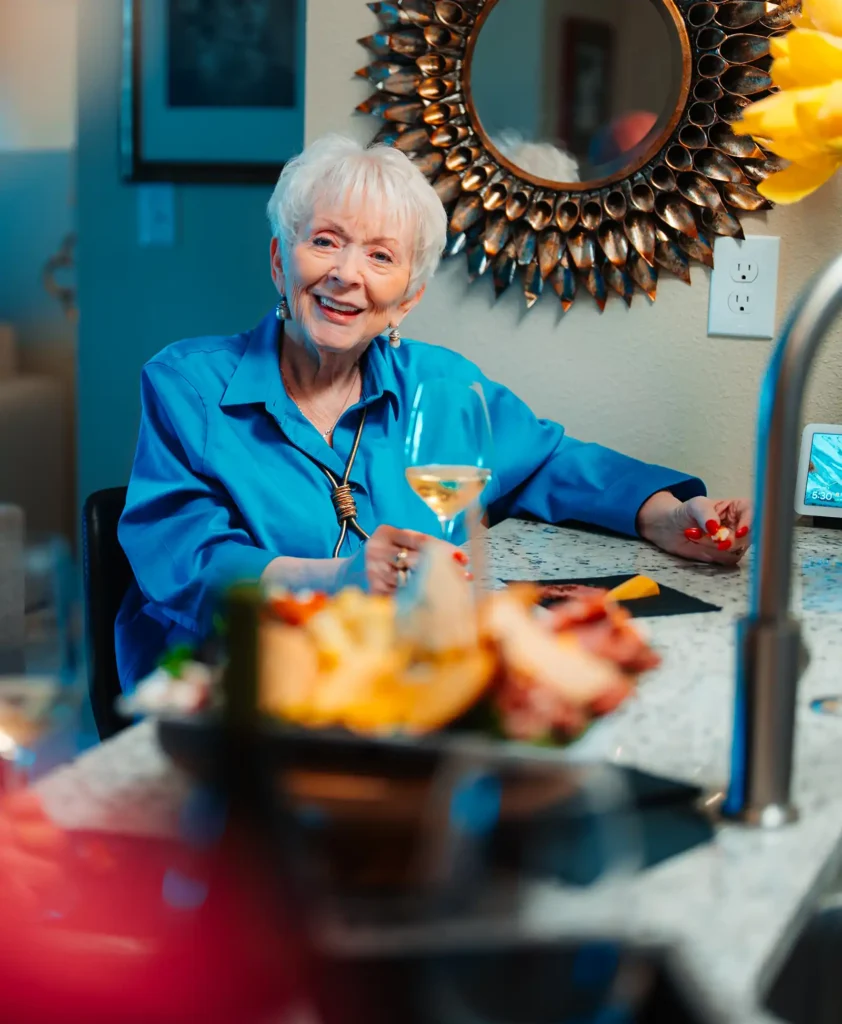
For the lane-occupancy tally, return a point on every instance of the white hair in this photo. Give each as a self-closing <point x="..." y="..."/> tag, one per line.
<point x="542" y="159"/>
<point x="335" y="171"/>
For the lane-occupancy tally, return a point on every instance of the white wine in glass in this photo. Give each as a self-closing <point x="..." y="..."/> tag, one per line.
<point x="448" y="447"/>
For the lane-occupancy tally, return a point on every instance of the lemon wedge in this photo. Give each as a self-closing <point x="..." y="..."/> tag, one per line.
<point x="636" y="587"/>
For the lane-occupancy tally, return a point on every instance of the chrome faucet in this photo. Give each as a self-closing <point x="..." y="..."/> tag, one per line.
<point x="770" y="653"/>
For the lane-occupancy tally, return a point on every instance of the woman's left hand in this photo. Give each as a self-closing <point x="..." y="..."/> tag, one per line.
<point x="688" y="528"/>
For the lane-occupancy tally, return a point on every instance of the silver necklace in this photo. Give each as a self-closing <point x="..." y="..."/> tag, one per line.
<point x="325" y="433"/>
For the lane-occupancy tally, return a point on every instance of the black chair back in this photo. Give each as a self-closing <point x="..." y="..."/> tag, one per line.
<point x="107" y="575"/>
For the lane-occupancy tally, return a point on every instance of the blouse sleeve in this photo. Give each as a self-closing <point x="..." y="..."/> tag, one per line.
<point x="540" y="472"/>
<point x="181" y="532"/>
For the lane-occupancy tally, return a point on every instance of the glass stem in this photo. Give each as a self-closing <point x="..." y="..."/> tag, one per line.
<point x="447" y="528"/>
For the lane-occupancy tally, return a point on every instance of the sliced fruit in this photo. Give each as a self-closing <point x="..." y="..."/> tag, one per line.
<point x="440" y="692"/>
<point x="635" y="588"/>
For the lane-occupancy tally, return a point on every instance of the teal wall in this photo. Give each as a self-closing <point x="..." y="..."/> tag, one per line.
<point x="134" y="301"/>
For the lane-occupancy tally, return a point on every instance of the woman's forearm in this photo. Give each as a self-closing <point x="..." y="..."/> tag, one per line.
<point x="305" y="573"/>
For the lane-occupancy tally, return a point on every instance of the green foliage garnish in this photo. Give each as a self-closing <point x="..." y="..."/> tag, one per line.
<point x="174" y="660"/>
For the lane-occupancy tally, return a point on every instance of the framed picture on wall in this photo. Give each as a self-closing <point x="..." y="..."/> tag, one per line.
<point x="212" y="91"/>
<point x="586" y="81"/>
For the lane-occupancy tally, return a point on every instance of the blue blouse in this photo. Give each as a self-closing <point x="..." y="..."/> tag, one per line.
<point x="226" y="476"/>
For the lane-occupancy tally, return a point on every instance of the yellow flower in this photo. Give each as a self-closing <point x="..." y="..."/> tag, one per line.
<point x="803" y="122"/>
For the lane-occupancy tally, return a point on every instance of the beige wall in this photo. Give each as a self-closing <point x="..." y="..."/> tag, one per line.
<point x="646" y="380"/>
<point x="37" y="74"/>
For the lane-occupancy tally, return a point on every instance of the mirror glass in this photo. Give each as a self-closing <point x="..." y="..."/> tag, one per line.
<point x="573" y="90"/>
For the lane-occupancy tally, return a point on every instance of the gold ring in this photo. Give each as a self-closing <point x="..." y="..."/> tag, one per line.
<point x="401" y="560"/>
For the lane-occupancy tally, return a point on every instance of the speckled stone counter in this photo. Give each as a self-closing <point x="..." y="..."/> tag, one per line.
<point x="733" y="907"/>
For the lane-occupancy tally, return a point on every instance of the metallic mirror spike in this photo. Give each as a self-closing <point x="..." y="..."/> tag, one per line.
<point x="781" y="17"/>
<point x="567" y="212"/>
<point x="759" y="170"/>
<point x="478" y="262"/>
<point x="525" y="243"/>
<point x="440" y="113"/>
<point x="591" y="214"/>
<point x="709" y="37"/>
<point x="745" y="80"/>
<point x="642" y="197"/>
<point x="453" y="15"/>
<point x="664" y="233"/>
<point x="377" y="105"/>
<point x="643" y="274"/>
<point x="380" y="71"/>
<point x="711" y="65"/>
<point x="540" y="211"/>
<point x="518" y="202"/>
<point x="420" y="12"/>
<point x="677" y="212"/>
<point x="461" y="157"/>
<point x="707" y="90"/>
<point x="447" y="135"/>
<point x="678" y="158"/>
<point x="700" y="14"/>
<point x="697" y="249"/>
<point x="730" y="108"/>
<point x="701" y="114"/>
<point x="662" y="179"/>
<point x="429" y="164"/>
<point x="412" y="141"/>
<point x="615" y="203"/>
<point x="718" y="166"/>
<point x="455" y="243"/>
<point x="595" y="284"/>
<point x="438" y="88"/>
<point x="448" y="187"/>
<point x="720" y="222"/>
<point x="533" y="284"/>
<point x="743" y="48"/>
<point x="404" y="83"/>
<point x="408" y="12"/>
<point x="438" y="64"/>
<point x="581" y="246"/>
<point x="563" y="282"/>
<point x="467" y="212"/>
<point x="698" y="190"/>
<point x="743" y="197"/>
<point x="495" y="195"/>
<point x="692" y="136"/>
<point x="671" y="257"/>
<point x="640" y="231"/>
<point x="479" y="176"/>
<point x="389" y="15"/>
<point x="408" y="43"/>
<point x="443" y="39"/>
<point x="620" y="280"/>
<point x="743" y="147"/>
<point x="613" y="242"/>
<point x="550" y="244"/>
<point x="504" y="268"/>
<point x="740" y="13"/>
<point x="498" y="230"/>
<point x="406" y="113"/>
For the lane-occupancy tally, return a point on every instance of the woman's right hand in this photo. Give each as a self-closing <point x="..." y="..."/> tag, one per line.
<point x="375" y="567"/>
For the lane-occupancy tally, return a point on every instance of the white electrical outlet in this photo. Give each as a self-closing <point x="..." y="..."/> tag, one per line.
<point x="744" y="287"/>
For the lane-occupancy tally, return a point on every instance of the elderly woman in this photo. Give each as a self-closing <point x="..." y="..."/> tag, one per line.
<point x="244" y="440"/>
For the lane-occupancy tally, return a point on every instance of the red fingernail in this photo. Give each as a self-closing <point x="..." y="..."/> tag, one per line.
<point x="742" y="532"/>
<point x="724" y="545"/>
<point x="711" y="526"/>
<point x="694" y="533"/>
<point x="460" y="557"/>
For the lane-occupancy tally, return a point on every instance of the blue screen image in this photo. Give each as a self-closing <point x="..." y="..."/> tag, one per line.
<point x="824" y="476"/>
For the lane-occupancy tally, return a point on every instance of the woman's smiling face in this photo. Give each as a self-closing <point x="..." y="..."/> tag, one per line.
<point x="346" y="279"/>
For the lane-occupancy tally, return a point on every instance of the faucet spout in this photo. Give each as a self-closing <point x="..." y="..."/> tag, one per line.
<point x="770" y="653"/>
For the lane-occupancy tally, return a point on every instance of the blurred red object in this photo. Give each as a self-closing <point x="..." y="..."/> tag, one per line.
<point x="99" y="928"/>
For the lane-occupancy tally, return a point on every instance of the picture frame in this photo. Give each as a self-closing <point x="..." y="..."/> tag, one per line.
<point x="212" y="91"/>
<point x="586" y="80"/>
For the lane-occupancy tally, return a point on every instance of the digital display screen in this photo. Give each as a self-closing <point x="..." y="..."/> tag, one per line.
<point x="824" y="474"/>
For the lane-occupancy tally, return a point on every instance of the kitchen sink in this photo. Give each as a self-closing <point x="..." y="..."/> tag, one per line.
<point x="808" y="988"/>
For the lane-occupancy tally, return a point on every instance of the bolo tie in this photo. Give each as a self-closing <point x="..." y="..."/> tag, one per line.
<point x="343" y="499"/>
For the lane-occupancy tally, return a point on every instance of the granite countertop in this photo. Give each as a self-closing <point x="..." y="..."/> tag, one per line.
<point x="732" y="907"/>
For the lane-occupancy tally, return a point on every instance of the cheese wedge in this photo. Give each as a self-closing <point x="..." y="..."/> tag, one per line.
<point x="636" y="587"/>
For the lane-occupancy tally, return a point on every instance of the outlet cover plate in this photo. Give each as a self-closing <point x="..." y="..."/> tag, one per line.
<point x="758" y="317"/>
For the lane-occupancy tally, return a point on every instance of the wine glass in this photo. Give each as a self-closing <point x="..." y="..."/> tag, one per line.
<point x="448" y="447"/>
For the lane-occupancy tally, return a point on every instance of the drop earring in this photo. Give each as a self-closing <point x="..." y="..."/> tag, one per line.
<point x="282" y="309"/>
<point x="394" y="337"/>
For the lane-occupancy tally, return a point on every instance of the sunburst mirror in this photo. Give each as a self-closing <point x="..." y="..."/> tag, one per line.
<point x="577" y="151"/>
